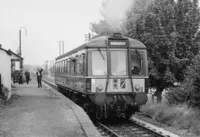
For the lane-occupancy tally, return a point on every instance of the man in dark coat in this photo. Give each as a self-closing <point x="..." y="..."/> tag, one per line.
<point x="135" y="70"/>
<point x="21" y="78"/>
<point x="27" y="75"/>
<point x="39" y="77"/>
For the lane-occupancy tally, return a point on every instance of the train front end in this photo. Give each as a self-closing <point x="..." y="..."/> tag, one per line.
<point x="117" y="76"/>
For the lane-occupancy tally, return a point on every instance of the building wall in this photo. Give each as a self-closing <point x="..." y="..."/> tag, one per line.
<point x="5" y="69"/>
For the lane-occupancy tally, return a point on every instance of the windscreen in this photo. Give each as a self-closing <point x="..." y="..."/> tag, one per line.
<point x="99" y="62"/>
<point x="138" y="62"/>
<point x="118" y="63"/>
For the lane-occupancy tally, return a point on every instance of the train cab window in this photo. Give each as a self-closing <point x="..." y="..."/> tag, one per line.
<point x="138" y="62"/>
<point x="118" y="63"/>
<point x="99" y="62"/>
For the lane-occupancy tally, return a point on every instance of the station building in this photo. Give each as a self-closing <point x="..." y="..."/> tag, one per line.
<point x="7" y="58"/>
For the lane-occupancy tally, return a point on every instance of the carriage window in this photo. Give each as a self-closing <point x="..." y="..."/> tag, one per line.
<point x="68" y="66"/>
<point x="72" y="65"/>
<point x="118" y="63"/>
<point x="79" y="64"/>
<point x="99" y="63"/>
<point x="84" y="64"/>
<point x="138" y="62"/>
<point x="63" y="66"/>
<point x="56" y="68"/>
<point x="59" y="67"/>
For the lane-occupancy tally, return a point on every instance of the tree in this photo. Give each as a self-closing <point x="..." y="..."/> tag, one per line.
<point x="169" y="29"/>
<point x="112" y="17"/>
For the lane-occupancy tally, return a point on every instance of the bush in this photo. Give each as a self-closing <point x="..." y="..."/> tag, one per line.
<point x="5" y="94"/>
<point x="189" y="91"/>
<point x="177" y="95"/>
<point x="180" y="116"/>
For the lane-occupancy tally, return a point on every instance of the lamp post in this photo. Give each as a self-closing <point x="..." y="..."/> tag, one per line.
<point x="20" y="45"/>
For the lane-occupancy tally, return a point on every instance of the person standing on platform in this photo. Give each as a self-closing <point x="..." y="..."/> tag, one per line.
<point x="27" y="74"/>
<point x="39" y="77"/>
<point x="21" y="78"/>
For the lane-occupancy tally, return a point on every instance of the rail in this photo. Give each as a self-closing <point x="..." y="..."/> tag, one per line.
<point x="133" y="127"/>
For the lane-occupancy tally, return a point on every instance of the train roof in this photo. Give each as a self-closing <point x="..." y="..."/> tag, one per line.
<point x="100" y="42"/>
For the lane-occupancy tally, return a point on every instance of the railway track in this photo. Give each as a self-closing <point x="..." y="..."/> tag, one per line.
<point x="127" y="128"/>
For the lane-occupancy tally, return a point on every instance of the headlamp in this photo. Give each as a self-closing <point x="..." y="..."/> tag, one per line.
<point x="99" y="87"/>
<point x="137" y="87"/>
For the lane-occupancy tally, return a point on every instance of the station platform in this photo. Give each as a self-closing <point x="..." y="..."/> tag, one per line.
<point x="44" y="112"/>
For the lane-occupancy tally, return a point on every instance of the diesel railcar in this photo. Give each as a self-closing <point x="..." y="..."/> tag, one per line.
<point x="106" y="75"/>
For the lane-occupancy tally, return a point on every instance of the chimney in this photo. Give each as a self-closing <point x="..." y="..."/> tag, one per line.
<point x="0" y="46"/>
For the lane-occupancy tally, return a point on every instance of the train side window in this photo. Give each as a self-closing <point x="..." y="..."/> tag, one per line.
<point x="65" y="66"/>
<point x="68" y="66"/>
<point x="59" y="67"/>
<point x="62" y="67"/>
<point x="84" y="64"/>
<point x="55" y="68"/>
<point x="73" y="66"/>
<point x="79" y="64"/>
<point x="75" y="61"/>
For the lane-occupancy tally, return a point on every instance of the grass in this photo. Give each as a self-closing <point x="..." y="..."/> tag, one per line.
<point x="181" y="117"/>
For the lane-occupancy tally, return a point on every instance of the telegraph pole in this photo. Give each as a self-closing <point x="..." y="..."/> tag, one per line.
<point x="61" y="47"/>
<point x="20" y="45"/>
<point x="88" y="37"/>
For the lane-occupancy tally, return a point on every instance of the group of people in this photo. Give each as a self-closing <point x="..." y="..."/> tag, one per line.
<point x="19" y="75"/>
<point x="28" y="78"/>
<point x="38" y="74"/>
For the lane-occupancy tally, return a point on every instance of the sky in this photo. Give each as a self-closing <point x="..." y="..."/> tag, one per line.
<point x="46" y="22"/>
